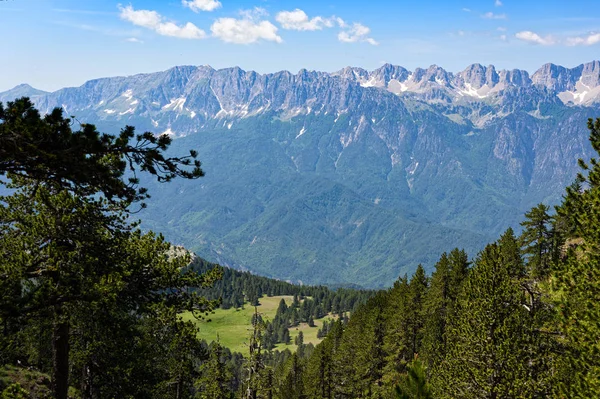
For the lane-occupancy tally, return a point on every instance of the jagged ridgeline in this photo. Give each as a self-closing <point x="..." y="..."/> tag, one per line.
<point x="352" y="176"/>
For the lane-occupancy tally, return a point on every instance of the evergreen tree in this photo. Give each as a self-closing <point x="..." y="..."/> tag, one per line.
<point x="577" y="278"/>
<point x="537" y="240"/>
<point x="435" y="313"/>
<point x="215" y="380"/>
<point x="414" y="385"/>
<point x="64" y="231"/>
<point x="397" y="338"/>
<point x="290" y="383"/>
<point x="85" y="162"/>
<point x="255" y="363"/>
<point x="487" y="341"/>
<point x="417" y="290"/>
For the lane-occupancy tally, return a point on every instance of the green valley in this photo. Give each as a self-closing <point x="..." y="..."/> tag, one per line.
<point x="233" y="326"/>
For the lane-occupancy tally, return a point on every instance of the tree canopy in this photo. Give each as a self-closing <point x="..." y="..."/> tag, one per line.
<point x="84" y="161"/>
<point x="71" y="257"/>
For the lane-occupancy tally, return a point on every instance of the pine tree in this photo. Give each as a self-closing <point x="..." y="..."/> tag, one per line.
<point x="488" y="339"/>
<point x="537" y="240"/>
<point x="414" y="385"/>
<point x="299" y="342"/>
<point x="435" y="313"/>
<point x="64" y="233"/>
<point x="255" y="363"/>
<point x="397" y="337"/>
<point x="417" y="290"/>
<point x="290" y="383"/>
<point x="577" y="278"/>
<point x="214" y="383"/>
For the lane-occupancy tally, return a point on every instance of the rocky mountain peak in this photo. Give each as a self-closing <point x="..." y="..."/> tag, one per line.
<point x="387" y="72"/>
<point x="516" y="77"/>
<point x="556" y="77"/>
<point x="590" y="74"/>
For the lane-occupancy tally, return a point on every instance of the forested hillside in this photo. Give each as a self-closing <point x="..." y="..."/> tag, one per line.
<point x="237" y="287"/>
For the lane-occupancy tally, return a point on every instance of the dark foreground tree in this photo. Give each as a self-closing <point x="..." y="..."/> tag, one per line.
<point x="66" y="245"/>
<point x="47" y="150"/>
<point x="578" y="278"/>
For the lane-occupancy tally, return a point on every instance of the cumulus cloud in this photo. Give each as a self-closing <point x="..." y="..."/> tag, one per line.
<point x="244" y="31"/>
<point x="491" y="15"/>
<point x="298" y="20"/>
<point x="498" y="3"/>
<point x="549" y="40"/>
<point x="134" y="40"/>
<point x="154" y="21"/>
<point x="254" y="13"/>
<point x="589" y="40"/>
<point x="533" y="37"/>
<point x="201" y="5"/>
<point x="356" y="33"/>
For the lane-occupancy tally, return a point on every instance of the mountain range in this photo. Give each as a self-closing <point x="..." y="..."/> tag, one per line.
<point x="348" y="177"/>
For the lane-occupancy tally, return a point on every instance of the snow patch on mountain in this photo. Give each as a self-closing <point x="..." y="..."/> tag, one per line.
<point x="128" y="94"/>
<point x="302" y="131"/>
<point x="470" y="91"/>
<point x="176" y="104"/>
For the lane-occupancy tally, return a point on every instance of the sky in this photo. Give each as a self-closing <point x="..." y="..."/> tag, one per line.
<point x="51" y="44"/>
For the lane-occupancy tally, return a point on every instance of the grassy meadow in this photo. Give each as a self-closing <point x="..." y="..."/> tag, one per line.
<point x="233" y="325"/>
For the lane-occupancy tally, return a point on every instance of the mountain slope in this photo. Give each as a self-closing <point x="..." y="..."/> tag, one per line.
<point x="355" y="176"/>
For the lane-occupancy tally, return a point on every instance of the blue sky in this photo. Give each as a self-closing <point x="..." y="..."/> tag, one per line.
<point x="56" y="43"/>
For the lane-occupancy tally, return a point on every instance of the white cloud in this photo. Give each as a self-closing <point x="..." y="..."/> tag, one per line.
<point x="491" y="15"/>
<point x="134" y="40"/>
<point x="298" y="20"/>
<point x="466" y="9"/>
<point x="533" y="37"/>
<point x="356" y="33"/>
<point x="201" y="5"/>
<point x="503" y="37"/>
<point x="498" y="3"/>
<point x="589" y="40"/>
<point x="254" y="13"/>
<point x="154" y="21"/>
<point x="244" y="31"/>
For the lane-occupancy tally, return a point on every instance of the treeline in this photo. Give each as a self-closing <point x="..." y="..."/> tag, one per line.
<point x="521" y="321"/>
<point x="237" y="287"/>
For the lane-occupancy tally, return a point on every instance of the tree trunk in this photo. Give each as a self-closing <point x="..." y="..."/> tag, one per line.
<point x="86" y="382"/>
<point x="60" y="355"/>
